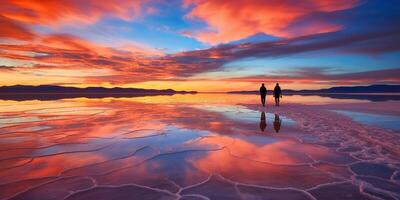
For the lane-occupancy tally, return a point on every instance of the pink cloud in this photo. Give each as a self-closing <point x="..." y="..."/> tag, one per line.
<point x="50" y="12"/>
<point x="321" y="76"/>
<point x="128" y="64"/>
<point x="13" y="30"/>
<point x="234" y="20"/>
<point x="131" y="65"/>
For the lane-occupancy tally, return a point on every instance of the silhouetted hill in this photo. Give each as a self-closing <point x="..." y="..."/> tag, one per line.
<point x="342" y="89"/>
<point x="359" y="96"/>
<point x="52" y="92"/>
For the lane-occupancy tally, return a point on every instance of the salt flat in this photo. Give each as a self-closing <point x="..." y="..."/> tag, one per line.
<point x="203" y="146"/>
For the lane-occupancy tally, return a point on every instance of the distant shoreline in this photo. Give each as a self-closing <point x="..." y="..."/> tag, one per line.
<point x="56" y="96"/>
<point x="370" y="89"/>
<point x="50" y="92"/>
<point x="54" y="89"/>
<point x="360" y="96"/>
<point x="53" y="92"/>
<point x="321" y="93"/>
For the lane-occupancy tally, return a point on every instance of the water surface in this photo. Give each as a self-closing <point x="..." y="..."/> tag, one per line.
<point x="203" y="146"/>
<point x="390" y="122"/>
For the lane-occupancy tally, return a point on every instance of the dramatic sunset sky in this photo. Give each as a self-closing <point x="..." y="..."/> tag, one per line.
<point x="203" y="45"/>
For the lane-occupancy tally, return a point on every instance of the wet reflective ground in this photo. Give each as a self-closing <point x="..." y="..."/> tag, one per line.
<point x="204" y="146"/>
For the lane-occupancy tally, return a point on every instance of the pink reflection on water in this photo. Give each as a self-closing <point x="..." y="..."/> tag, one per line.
<point x="163" y="145"/>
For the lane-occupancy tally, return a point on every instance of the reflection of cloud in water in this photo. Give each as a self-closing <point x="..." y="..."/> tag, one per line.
<point x="233" y="99"/>
<point x="242" y="113"/>
<point x="163" y="147"/>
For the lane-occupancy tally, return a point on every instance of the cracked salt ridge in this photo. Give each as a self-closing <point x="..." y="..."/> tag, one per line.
<point x="109" y="150"/>
<point x="50" y="148"/>
<point x="44" y="146"/>
<point x="179" y="173"/>
<point x="55" y="149"/>
<point x="219" y="187"/>
<point x="58" y="110"/>
<point x="23" y="193"/>
<point x="59" y="188"/>
<point x="61" y="175"/>
<point x="69" y="128"/>
<point x="193" y="186"/>
<point x="126" y="191"/>
<point x="47" y="119"/>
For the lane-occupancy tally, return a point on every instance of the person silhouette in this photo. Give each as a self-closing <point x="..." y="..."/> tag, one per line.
<point x="277" y="123"/>
<point x="277" y="94"/>
<point x="263" y="94"/>
<point x="263" y="122"/>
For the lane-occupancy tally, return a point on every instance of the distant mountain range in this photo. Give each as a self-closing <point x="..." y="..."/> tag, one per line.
<point x="335" y="90"/>
<point x="52" y="92"/>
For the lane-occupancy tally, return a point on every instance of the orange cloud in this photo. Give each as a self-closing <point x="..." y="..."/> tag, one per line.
<point x="234" y="20"/>
<point x="50" y="12"/>
<point x="13" y="30"/>
<point x="17" y="19"/>
<point x="128" y="64"/>
<point x="320" y="76"/>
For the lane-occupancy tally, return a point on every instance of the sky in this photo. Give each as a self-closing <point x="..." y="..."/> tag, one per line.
<point x="201" y="45"/>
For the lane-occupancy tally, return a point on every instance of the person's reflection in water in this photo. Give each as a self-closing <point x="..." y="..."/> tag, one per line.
<point x="263" y="122"/>
<point x="277" y="123"/>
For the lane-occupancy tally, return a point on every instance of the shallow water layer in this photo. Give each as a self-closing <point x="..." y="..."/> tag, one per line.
<point x="204" y="146"/>
<point x="390" y="122"/>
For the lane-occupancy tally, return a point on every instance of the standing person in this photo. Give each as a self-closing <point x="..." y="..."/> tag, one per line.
<point x="263" y="94"/>
<point x="277" y="94"/>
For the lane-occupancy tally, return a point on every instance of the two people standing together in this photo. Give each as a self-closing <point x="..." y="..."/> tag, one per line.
<point x="277" y="94"/>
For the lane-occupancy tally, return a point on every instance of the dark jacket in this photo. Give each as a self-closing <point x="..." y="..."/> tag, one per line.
<point x="277" y="92"/>
<point x="263" y="91"/>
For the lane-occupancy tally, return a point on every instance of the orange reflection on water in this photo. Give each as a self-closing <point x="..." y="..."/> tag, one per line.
<point x="155" y="141"/>
<point x="222" y="98"/>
